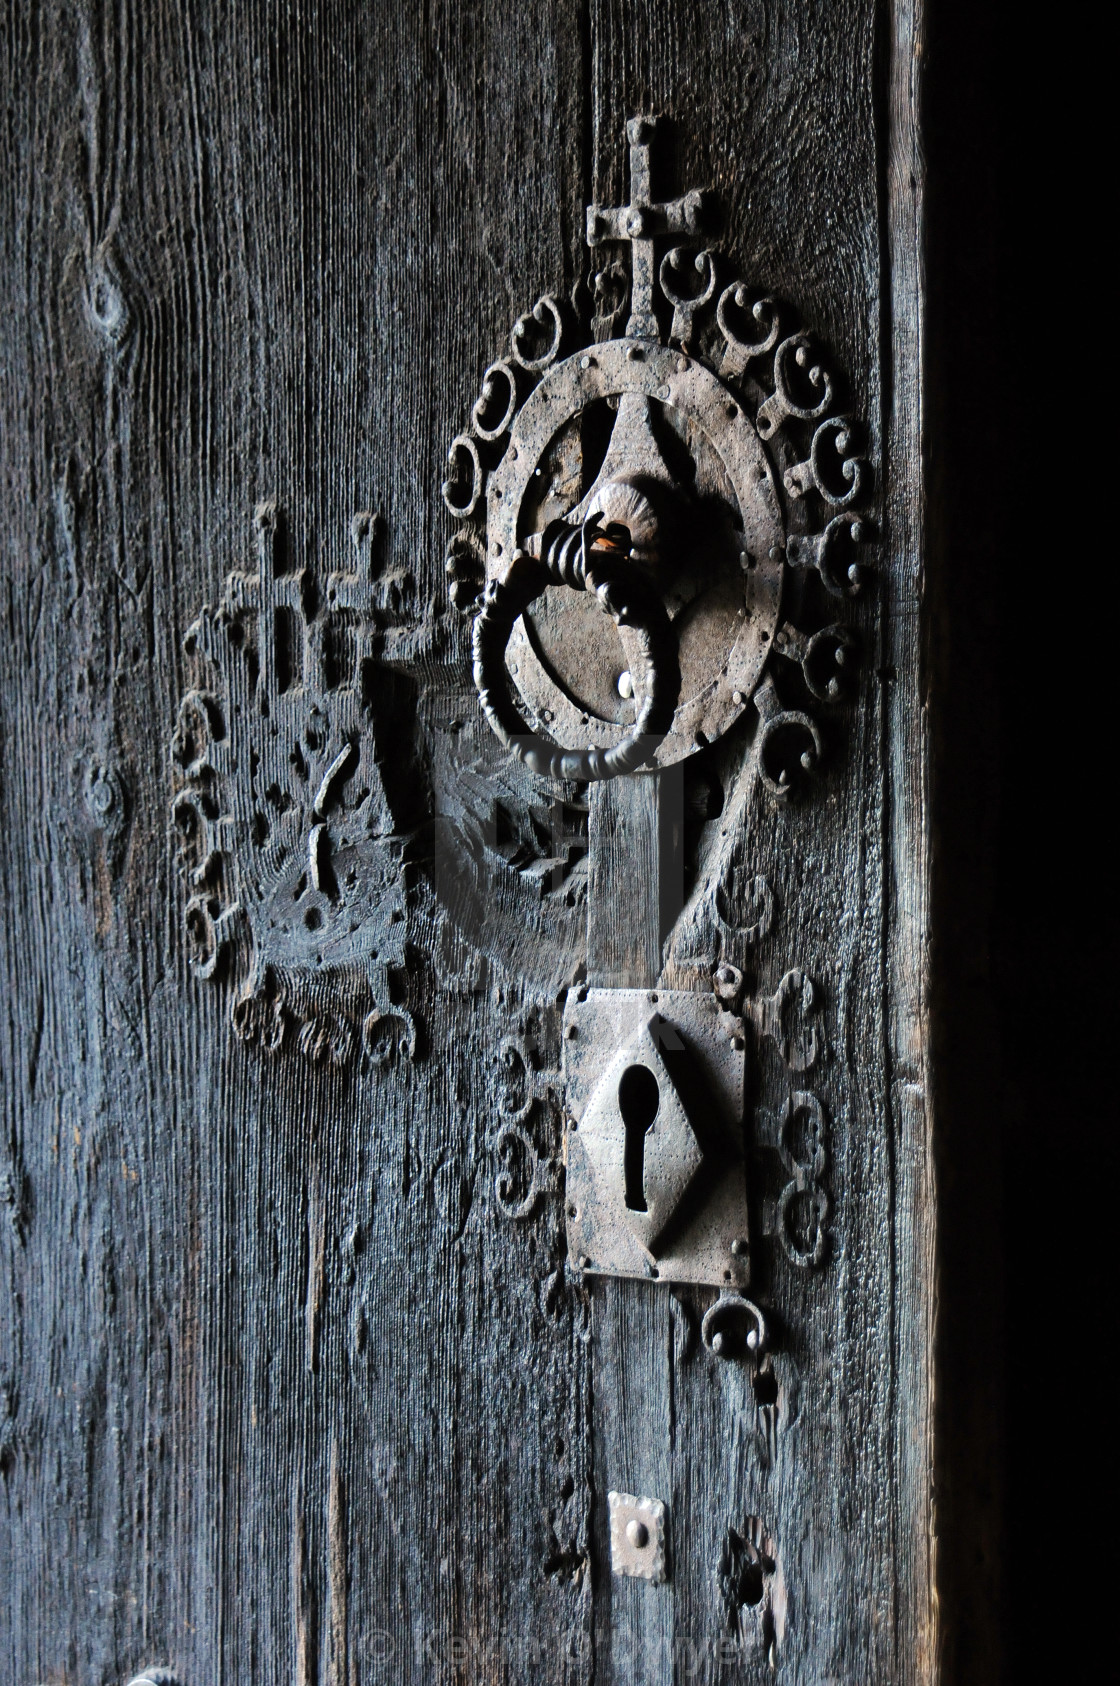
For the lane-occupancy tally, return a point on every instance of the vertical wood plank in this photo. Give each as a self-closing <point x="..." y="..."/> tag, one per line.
<point x="634" y="872"/>
<point x="631" y="869"/>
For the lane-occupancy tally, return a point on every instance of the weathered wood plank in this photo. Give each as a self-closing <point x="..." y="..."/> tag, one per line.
<point x="634" y="878"/>
<point x="285" y="1393"/>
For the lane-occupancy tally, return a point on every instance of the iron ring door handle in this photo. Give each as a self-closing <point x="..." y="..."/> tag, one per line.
<point x="588" y="558"/>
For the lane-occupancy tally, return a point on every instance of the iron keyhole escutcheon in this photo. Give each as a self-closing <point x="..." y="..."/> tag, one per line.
<point x="639" y="1098"/>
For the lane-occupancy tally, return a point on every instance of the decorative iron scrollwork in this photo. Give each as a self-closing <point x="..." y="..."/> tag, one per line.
<point x="490" y="404"/>
<point x="824" y="552"/>
<point x="610" y="288"/>
<point x="805" y="1207"/>
<point x="686" y="306"/>
<point x="802" y="387"/>
<point x="738" y="351"/>
<point x="545" y="315"/>
<point x="290" y="850"/>
<point x="463" y="489"/>
<point x="525" y="1175"/>
<point x="753" y="398"/>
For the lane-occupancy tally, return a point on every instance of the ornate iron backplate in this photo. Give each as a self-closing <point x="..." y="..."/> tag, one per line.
<point x="688" y="476"/>
<point x="656" y="1184"/>
<point x="707" y="432"/>
<point x="291" y="841"/>
<point x="568" y="659"/>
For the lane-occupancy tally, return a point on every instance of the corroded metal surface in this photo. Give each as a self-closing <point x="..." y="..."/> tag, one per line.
<point x="639" y="1543"/>
<point x="584" y="558"/>
<point x="720" y="577"/>
<point x="717" y="474"/>
<point x="683" y="1216"/>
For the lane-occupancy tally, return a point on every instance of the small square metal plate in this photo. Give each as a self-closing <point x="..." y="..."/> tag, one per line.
<point x="696" y="1053"/>
<point x="638" y="1544"/>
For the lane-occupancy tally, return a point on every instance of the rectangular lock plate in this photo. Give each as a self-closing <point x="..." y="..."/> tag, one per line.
<point x="654" y="1095"/>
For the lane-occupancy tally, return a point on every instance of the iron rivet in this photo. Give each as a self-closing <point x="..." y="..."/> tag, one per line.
<point x="637" y="1533"/>
<point x="736" y="697"/>
<point x="634" y="353"/>
<point x="585" y="362"/>
<point x="682" y="365"/>
<point x="719" y="1343"/>
<point x="738" y="1247"/>
<point x="625" y="684"/>
<point x="570" y="1032"/>
<point x="775" y="552"/>
<point x="584" y="1261"/>
<point x="752" y="1339"/>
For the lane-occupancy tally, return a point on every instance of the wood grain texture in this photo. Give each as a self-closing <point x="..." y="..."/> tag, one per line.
<point x="635" y="883"/>
<point x="284" y="1395"/>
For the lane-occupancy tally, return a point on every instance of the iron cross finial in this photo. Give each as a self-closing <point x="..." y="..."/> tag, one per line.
<point x="641" y="222"/>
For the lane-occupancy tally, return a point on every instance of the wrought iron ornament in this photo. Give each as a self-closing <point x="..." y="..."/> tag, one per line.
<point x="292" y="855"/>
<point x="641" y="515"/>
<point x="671" y="477"/>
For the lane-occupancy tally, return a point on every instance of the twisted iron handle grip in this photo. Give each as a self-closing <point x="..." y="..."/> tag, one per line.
<point x="586" y="558"/>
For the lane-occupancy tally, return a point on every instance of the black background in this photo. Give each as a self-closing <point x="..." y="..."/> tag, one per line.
<point x="1019" y="800"/>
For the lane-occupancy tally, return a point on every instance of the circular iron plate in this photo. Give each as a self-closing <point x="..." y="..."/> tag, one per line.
<point x="725" y="630"/>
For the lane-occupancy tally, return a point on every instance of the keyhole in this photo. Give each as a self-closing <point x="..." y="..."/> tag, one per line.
<point x="638" y="1100"/>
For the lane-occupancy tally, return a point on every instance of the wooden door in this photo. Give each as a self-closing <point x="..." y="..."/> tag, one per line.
<point x="299" y="1382"/>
